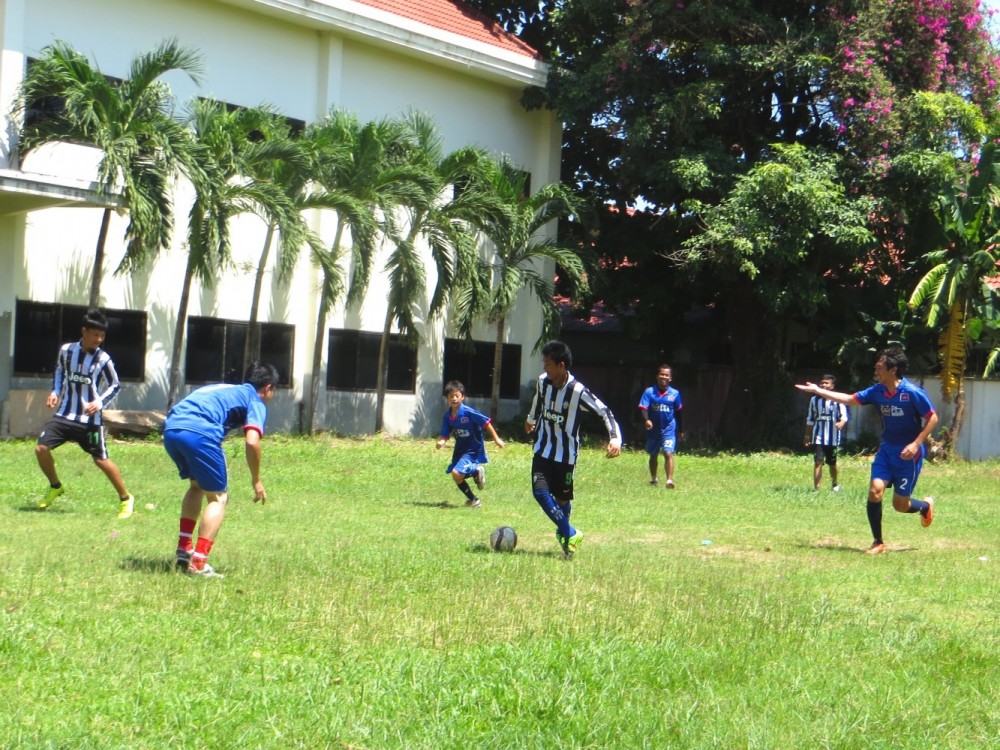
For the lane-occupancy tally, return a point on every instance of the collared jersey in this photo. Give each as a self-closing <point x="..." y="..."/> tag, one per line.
<point x="823" y="415"/>
<point x="661" y="408"/>
<point x="83" y="376"/>
<point x="467" y="429"/>
<point x="214" y="410"/>
<point x="556" y="413"/>
<point x="902" y="410"/>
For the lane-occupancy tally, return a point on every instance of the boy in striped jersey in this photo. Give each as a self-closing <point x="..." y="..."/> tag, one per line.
<point x="84" y="383"/>
<point x="554" y="417"/>
<point x="825" y="420"/>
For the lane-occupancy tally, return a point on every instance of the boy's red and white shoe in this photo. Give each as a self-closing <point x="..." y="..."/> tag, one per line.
<point x="926" y="519"/>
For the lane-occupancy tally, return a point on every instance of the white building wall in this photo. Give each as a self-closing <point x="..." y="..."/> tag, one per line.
<point x="303" y="70"/>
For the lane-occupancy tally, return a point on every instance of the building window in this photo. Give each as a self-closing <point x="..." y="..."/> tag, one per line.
<point x="41" y="328"/>
<point x="474" y="367"/>
<point x="353" y="362"/>
<point x="215" y="350"/>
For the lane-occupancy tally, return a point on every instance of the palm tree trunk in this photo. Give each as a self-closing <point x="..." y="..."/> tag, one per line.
<point x="317" y="363"/>
<point x="383" y="370"/>
<point x="950" y="441"/>
<point x="497" y="366"/>
<point x="251" y="349"/>
<point x="98" y="273"/>
<point x="179" y="330"/>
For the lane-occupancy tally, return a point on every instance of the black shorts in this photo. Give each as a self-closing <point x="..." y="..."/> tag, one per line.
<point x="90" y="438"/>
<point x="826" y="453"/>
<point x="553" y="476"/>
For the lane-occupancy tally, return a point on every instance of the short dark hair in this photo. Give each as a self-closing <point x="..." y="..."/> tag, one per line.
<point x="95" y="319"/>
<point x="261" y="374"/>
<point x="665" y="367"/>
<point x="452" y="386"/>
<point x="558" y="352"/>
<point x="828" y="376"/>
<point x="895" y="359"/>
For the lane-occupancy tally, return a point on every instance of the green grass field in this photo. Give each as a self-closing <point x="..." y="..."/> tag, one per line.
<point x="362" y="608"/>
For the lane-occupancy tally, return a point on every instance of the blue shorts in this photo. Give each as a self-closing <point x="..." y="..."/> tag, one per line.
<point x="899" y="473"/>
<point x="658" y="443"/>
<point x="466" y="465"/>
<point x="197" y="457"/>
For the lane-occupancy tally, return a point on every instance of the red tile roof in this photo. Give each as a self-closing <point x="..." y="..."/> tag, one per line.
<point x="455" y="17"/>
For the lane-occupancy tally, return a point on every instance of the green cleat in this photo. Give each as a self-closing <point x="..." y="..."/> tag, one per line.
<point x="50" y="496"/>
<point x="126" y="507"/>
<point x="570" y="545"/>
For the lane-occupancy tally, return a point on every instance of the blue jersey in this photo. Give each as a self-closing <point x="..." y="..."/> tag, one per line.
<point x="903" y="410"/>
<point x="467" y="429"/>
<point x="661" y="408"/>
<point x="214" y="410"/>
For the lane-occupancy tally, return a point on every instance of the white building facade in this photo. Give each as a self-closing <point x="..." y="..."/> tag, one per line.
<point x="303" y="57"/>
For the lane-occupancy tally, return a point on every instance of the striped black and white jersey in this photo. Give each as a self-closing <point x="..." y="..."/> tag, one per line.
<point x="555" y="412"/>
<point x="83" y="376"/>
<point x="822" y="417"/>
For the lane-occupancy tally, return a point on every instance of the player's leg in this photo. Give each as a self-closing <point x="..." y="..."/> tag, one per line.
<point x="908" y="472"/>
<point x="208" y="530"/>
<point x="190" y="511"/>
<point x="831" y="461"/>
<point x="667" y="448"/>
<point x="880" y="477"/>
<point x="543" y="496"/>
<point x="818" y="457"/>
<point x="653" y="451"/>
<point x="564" y="498"/>
<point x="50" y="439"/>
<point x="126" y="503"/>
<point x="460" y="471"/>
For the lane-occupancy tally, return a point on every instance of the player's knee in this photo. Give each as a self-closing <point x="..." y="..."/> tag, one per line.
<point x="222" y="498"/>
<point x="42" y="450"/>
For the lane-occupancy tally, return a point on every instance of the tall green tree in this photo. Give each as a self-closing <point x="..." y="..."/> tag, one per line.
<point x="358" y="176"/>
<point x="668" y="105"/>
<point x="288" y="169"/>
<point x="435" y="213"/>
<point x="130" y="121"/>
<point x="524" y="249"/>
<point x="227" y="150"/>
<point x="954" y="294"/>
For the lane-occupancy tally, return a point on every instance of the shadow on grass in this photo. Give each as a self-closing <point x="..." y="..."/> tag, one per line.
<point x="150" y="565"/>
<point x="443" y="505"/>
<point x="841" y="547"/>
<point x="35" y="509"/>
<point x="481" y="548"/>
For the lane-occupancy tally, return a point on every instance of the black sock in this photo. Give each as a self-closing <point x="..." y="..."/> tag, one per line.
<point x="466" y="490"/>
<point x="875" y="520"/>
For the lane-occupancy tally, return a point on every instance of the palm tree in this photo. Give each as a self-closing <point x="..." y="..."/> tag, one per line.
<point x="353" y="178"/>
<point x="519" y="256"/>
<point x="958" y="301"/>
<point x="228" y="150"/>
<point x="445" y="224"/>
<point x="130" y="122"/>
<point x="289" y="171"/>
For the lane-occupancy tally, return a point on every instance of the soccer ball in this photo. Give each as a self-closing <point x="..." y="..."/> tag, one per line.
<point x="503" y="539"/>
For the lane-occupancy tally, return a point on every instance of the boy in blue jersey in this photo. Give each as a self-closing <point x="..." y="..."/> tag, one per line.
<point x="661" y="411"/>
<point x="825" y="422"/>
<point x="469" y="455"/>
<point x="907" y="419"/>
<point x="84" y="383"/>
<point x="192" y="436"/>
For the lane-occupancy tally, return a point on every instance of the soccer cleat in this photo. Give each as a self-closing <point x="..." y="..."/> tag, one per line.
<point x="571" y="544"/>
<point x="206" y="572"/>
<point x="670" y="484"/>
<point x="877" y="548"/>
<point x="836" y="488"/>
<point x="926" y="519"/>
<point x="654" y="481"/>
<point x="183" y="559"/>
<point x="480" y="477"/>
<point x="126" y="507"/>
<point x="474" y="503"/>
<point x="50" y="496"/>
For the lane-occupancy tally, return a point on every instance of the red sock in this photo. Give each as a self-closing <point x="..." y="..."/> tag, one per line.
<point x="201" y="550"/>
<point x="187" y="530"/>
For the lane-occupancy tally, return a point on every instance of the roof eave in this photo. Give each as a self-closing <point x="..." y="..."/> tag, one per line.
<point x="406" y="37"/>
